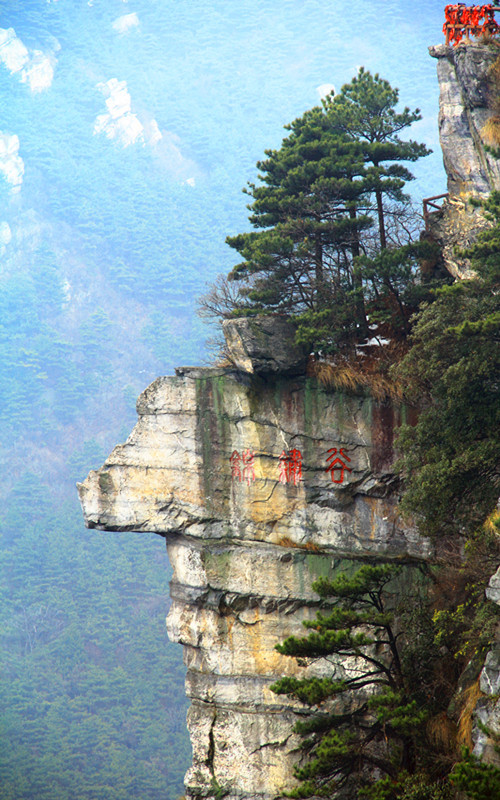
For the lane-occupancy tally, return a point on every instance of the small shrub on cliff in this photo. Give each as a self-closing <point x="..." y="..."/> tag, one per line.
<point x="479" y="781"/>
<point x="408" y="787"/>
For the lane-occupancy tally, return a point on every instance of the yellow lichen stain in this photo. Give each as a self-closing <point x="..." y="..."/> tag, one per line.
<point x="266" y="500"/>
<point x="160" y="483"/>
<point x="226" y="626"/>
<point x="372" y="503"/>
<point x="381" y="510"/>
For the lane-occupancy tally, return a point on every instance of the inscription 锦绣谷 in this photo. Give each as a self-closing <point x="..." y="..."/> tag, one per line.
<point x="289" y="466"/>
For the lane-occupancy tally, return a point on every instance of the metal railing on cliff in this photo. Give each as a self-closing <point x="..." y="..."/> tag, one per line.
<point x="462" y="22"/>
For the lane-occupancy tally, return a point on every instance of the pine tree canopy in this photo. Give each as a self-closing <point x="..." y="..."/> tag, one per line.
<point x="314" y="209"/>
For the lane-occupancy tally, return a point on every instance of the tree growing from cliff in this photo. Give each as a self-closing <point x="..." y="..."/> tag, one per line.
<point x="369" y="712"/>
<point x="312" y="212"/>
<point x="307" y="210"/>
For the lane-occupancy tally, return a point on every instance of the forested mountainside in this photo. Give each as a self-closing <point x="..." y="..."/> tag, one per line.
<point x="107" y="234"/>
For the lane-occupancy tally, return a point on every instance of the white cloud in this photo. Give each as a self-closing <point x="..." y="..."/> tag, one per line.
<point x="122" y="124"/>
<point x="324" y="90"/>
<point x="35" y="67"/>
<point x="13" y="53"/>
<point x="11" y="163"/>
<point x="5" y="236"/>
<point x="125" y="23"/>
<point x="152" y="132"/>
<point x="40" y="72"/>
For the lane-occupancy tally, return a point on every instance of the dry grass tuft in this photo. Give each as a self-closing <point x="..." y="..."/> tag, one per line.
<point x="285" y="541"/>
<point x="369" y="372"/>
<point x="470" y="699"/>
<point x="494" y="73"/>
<point x="491" y="131"/>
<point x="442" y="732"/>
<point x="313" y="548"/>
<point x="492" y="524"/>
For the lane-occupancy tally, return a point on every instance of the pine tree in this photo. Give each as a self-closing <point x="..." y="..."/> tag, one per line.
<point x="312" y="212"/>
<point x="479" y="781"/>
<point x="365" y="111"/>
<point x="301" y="259"/>
<point x="368" y="716"/>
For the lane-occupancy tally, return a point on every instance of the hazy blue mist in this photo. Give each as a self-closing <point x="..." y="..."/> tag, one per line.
<point x="128" y="129"/>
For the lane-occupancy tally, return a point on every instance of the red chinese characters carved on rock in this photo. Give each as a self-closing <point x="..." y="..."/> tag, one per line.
<point x="462" y="20"/>
<point x="242" y="466"/>
<point x="336" y="463"/>
<point x="290" y="467"/>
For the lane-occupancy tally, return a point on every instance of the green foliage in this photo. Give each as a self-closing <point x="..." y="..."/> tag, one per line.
<point x="365" y="111"/>
<point x="373" y="716"/>
<point x="306" y="207"/>
<point x="408" y="787"/>
<point x="450" y="457"/>
<point x="468" y="628"/>
<point x="92" y="701"/>
<point x="478" y="780"/>
<point x="218" y="791"/>
<point x="392" y="282"/>
<point x="312" y="211"/>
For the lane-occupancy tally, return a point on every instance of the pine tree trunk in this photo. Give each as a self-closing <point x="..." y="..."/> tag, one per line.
<point x="319" y="277"/>
<point x="358" y="283"/>
<point x="381" y="219"/>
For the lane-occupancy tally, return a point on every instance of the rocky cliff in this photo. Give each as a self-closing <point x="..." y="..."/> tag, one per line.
<point x="260" y="485"/>
<point x="260" y="481"/>
<point x="469" y="82"/>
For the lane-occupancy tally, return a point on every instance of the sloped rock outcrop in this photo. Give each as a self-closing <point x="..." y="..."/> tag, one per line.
<point x="467" y="94"/>
<point x="259" y="485"/>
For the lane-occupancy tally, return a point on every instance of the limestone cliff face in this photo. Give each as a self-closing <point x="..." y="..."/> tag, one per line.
<point x="469" y="91"/>
<point x="467" y="95"/>
<point x="235" y="472"/>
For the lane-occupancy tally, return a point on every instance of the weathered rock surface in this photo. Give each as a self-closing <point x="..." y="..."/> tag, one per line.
<point x="234" y="471"/>
<point x="486" y="729"/>
<point x="467" y="95"/>
<point x="465" y="105"/>
<point x="264" y="344"/>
